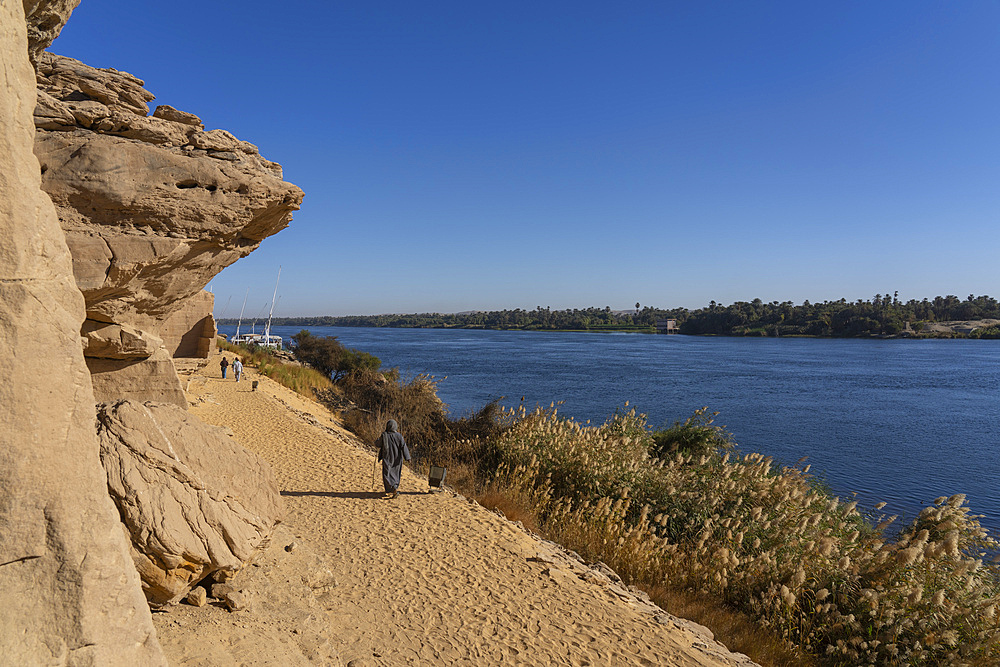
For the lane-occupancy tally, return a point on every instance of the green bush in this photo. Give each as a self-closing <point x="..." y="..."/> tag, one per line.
<point x="986" y="332"/>
<point x="423" y="418"/>
<point x="696" y="435"/>
<point x="327" y="355"/>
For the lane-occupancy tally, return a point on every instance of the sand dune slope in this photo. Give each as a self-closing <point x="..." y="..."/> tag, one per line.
<point x="427" y="578"/>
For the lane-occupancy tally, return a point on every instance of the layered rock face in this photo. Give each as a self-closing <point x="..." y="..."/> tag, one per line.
<point x="68" y="592"/>
<point x="153" y="207"/>
<point x="193" y="501"/>
<point x="190" y="331"/>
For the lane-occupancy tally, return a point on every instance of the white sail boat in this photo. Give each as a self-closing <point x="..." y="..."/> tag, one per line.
<point x="265" y="339"/>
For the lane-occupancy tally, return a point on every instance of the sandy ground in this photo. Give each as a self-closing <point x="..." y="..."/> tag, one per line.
<point x="426" y="578"/>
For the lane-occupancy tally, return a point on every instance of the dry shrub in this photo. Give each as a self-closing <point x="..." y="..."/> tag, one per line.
<point x="433" y="436"/>
<point x="740" y="631"/>
<point x="514" y="507"/>
<point x="380" y="397"/>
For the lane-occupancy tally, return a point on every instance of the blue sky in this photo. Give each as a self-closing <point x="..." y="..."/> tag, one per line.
<point x="469" y="155"/>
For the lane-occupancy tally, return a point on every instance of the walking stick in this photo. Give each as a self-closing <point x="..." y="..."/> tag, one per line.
<point x="374" y="475"/>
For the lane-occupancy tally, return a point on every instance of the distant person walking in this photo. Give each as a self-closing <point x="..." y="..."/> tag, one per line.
<point x="392" y="451"/>
<point x="237" y="368"/>
<point x="225" y="366"/>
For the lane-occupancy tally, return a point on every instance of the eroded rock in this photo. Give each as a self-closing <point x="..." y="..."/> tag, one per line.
<point x="192" y="500"/>
<point x="149" y="227"/>
<point x="136" y="378"/>
<point x="190" y="330"/>
<point x="153" y="207"/>
<point x="44" y="20"/>
<point x="118" y="341"/>
<point x="167" y="112"/>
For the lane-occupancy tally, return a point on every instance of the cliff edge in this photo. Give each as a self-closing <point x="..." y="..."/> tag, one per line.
<point x="153" y="207"/>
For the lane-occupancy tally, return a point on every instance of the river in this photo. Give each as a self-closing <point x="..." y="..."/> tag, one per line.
<point x="895" y="421"/>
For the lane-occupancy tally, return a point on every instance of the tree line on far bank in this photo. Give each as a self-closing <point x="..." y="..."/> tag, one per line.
<point x="880" y="316"/>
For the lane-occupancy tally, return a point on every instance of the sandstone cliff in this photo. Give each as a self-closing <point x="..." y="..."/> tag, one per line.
<point x="153" y="206"/>
<point x="44" y="20"/>
<point x="67" y="588"/>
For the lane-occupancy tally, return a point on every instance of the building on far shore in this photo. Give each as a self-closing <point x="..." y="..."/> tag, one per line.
<point x="666" y="326"/>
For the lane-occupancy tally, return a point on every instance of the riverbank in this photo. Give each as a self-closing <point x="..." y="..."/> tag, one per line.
<point x="879" y="317"/>
<point x="958" y="329"/>
<point x="426" y="577"/>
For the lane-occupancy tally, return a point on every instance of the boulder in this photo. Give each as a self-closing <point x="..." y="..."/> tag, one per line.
<point x="117" y="341"/>
<point x="192" y="500"/>
<point x="215" y="140"/>
<point x="197" y="597"/>
<point x="167" y="112"/>
<point x="68" y="592"/>
<point x="51" y="114"/>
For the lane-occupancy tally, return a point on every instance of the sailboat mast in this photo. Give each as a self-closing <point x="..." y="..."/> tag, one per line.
<point x="257" y="317"/>
<point x="241" y="314"/>
<point x="223" y="316"/>
<point x="267" y="329"/>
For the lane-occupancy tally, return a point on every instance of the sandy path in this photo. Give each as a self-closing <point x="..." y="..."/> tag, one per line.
<point x="432" y="577"/>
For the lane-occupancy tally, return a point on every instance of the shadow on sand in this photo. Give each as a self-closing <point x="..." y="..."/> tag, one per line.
<point x="349" y="494"/>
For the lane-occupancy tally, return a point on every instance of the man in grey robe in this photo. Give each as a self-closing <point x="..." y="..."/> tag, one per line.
<point x="392" y="451"/>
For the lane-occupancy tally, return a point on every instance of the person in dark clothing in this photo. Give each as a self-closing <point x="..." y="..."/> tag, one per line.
<point x="224" y="364"/>
<point x="392" y="451"/>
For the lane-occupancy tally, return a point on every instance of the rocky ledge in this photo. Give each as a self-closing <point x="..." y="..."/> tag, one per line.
<point x="153" y="206"/>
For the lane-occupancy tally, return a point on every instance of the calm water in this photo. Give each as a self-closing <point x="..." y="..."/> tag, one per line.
<point x="897" y="421"/>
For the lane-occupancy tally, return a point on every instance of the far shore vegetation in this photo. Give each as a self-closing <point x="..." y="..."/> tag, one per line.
<point x="883" y="315"/>
<point x="777" y="566"/>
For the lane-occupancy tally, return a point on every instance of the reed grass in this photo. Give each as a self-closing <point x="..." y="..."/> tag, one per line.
<point x="764" y="541"/>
